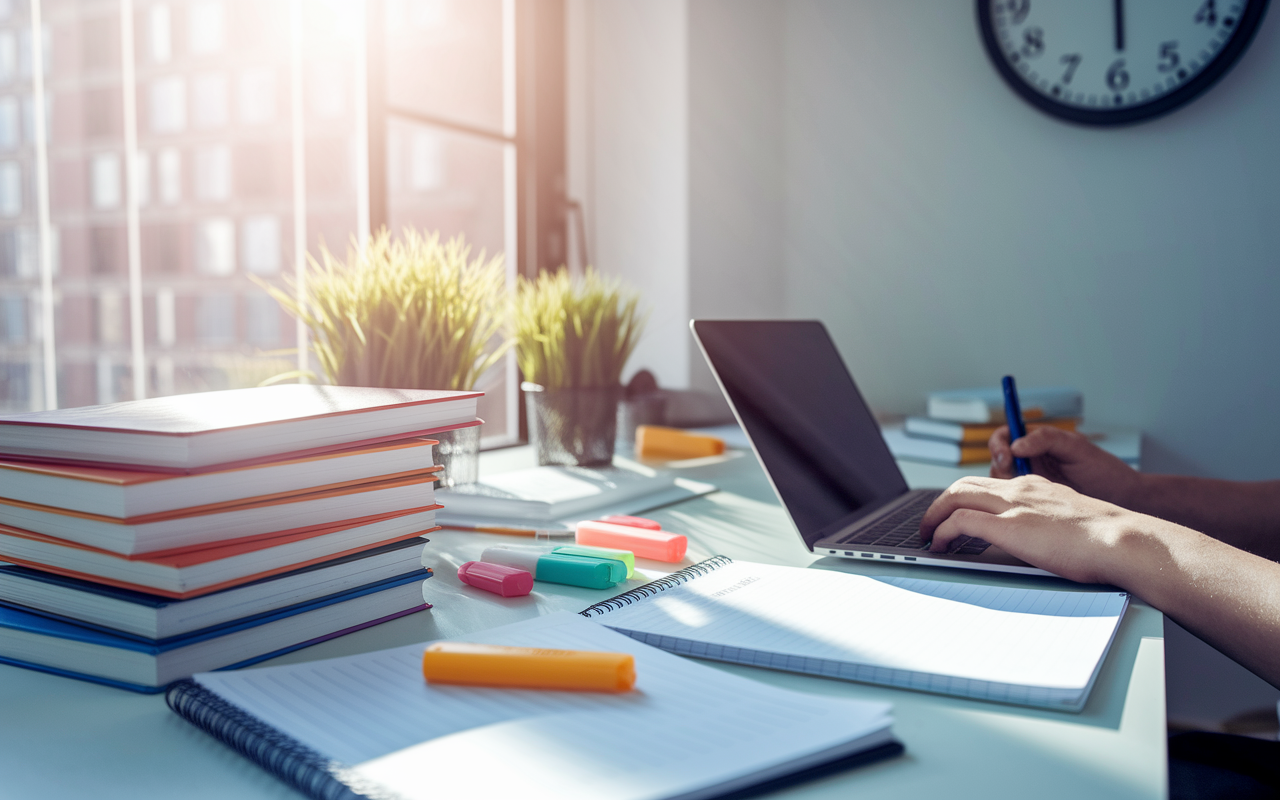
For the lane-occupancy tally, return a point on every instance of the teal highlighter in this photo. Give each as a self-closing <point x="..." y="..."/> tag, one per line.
<point x="564" y="568"/>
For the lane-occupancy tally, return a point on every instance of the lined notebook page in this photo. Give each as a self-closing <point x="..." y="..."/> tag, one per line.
<point x="1025" y="646"/>
<point x="685" y="726"/>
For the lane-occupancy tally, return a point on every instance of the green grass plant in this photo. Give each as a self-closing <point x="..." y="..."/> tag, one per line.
<point x="575" y="333"/>
<point x="409" y="312"/>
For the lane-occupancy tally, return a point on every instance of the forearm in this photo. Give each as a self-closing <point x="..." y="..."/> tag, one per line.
<point x="1226" y="596"/>
<point x="1244" y="515"/>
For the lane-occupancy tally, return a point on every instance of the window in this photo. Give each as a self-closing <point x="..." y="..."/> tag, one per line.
<point x="109" y="317"/>
<point x="8" y="56"/>
<point x="142" y="178"/>
<point x="106" y="180"/>
<point x="209" y="100"/>
<point x="216" y="247"/>
<point x="13" y="319"/>
<point x="159" y="33"/>
<point x="166" y="320"/>
<point x="262" y="319"/>
<point x="257" y="96"/>
<point x="169" y="105"/>
<point x="207" y="26"/>
<point x="169" y="169"/>
<point x="8" y="123"/>
<point x="10" y="188"/>
<point x="415" y="124"/>
<point x="216" y="318"/>
<point x="261" y="237"/>
<point x="213" y="173"/>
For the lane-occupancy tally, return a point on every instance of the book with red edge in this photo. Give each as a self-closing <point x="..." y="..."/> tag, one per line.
<point x="194" y="572"/>
<point x="114" y="492"/>
<point x="205" y="526"/>
<point x="144" y="615"/>
<point x="237" y="427"/>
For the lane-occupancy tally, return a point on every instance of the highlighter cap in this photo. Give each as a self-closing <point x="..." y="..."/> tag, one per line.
<point x="632" y="522"/>
<point x="518" y="557"/>
<point x="657" y="545"/>
<point x="497" y="578"/>
<point x="625" y="556"/>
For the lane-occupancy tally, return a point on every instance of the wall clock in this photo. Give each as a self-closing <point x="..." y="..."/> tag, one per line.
<point x="1112" y="62"/>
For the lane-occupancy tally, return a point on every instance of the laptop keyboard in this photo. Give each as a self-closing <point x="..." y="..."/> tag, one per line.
<point x="902" y="529"/>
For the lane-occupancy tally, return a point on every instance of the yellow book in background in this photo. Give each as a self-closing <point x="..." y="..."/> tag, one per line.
<point x="967" y="433"/>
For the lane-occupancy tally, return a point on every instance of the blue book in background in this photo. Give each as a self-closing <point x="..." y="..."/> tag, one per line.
<point x="148" y="617"/>
<point x="41" y="641"/>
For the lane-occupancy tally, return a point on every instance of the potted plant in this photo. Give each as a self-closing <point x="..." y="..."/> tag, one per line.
<point x="409" y="312"/>
<point x="573" y="337"/>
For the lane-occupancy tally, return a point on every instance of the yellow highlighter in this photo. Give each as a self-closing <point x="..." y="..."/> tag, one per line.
<point x="528" y="667"/>
<point x="655" y="441"/>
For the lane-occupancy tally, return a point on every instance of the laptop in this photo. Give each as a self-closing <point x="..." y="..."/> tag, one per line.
<point x="821" y="447"/>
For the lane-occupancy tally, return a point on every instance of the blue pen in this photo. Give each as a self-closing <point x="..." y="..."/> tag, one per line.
<point x="1013" y="415"/>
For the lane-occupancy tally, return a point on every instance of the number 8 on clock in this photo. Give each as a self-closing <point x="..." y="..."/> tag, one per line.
<point x="1113" y="62"/>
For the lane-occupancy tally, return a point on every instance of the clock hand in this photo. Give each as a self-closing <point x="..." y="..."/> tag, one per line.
<point x="1119" y="14"/>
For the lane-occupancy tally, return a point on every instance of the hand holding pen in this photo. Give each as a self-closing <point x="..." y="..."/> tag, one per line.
<point x="1013" y="416"/>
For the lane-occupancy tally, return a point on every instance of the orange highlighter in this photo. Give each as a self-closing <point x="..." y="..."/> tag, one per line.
<point x="528" y="667"/>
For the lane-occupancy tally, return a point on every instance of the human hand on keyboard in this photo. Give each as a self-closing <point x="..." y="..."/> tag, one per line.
<point x="1043" y="523"/>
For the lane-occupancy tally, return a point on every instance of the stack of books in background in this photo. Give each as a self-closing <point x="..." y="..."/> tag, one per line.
<point x="153" y="539"/>
<point x="959" y="423"/>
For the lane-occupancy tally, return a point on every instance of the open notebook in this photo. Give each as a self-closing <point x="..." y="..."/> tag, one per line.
<point x="1023" y="646"/>
<point x="369" y="725"/>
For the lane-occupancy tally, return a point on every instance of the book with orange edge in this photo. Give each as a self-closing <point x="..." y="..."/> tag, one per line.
<point x="973" y="433"/>
<point x="202" y="526"/>
<point x="187" y="573"/>
<point x="119" y="492"/>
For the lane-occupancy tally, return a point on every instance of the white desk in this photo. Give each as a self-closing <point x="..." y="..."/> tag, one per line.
<point x="61" y="738"/>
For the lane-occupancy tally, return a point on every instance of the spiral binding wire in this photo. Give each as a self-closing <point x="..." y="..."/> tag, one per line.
<point x="296" y="764"/>
<point x="654" y="587"/>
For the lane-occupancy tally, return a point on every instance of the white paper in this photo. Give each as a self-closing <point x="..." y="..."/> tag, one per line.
<point x="775" y="615"/>
<point x="685" y="727"/>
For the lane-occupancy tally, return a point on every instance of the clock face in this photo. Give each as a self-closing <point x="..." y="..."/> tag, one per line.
<point x="1108" y="62"/>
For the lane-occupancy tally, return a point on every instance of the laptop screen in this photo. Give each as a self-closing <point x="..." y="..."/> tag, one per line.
<point x="808" y="422"/>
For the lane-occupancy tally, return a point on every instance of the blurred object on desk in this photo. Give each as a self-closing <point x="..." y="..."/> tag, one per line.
<point x="658" y="442"/>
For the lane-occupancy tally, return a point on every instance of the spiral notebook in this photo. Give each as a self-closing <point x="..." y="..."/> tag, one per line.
<point x="370" y="726"/>
<point x="1029" y="647"/>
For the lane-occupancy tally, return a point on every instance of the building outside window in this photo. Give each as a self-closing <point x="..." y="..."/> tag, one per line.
<point x="405" y="112"/>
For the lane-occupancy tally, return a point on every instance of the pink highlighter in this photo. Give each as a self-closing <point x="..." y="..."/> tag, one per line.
<point x="645" y="542"/>
<point x="496" y="578"/>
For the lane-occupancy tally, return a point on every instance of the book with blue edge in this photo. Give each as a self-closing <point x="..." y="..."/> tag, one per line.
<point x="151" y="616"/>
<point x="64" y="646"/>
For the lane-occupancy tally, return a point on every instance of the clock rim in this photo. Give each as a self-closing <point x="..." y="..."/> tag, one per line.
<point x="1221" y="64"/>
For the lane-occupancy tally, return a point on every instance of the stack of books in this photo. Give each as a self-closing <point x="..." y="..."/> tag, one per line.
<point x="959" y="423"/>
<point x="149" y="540"/>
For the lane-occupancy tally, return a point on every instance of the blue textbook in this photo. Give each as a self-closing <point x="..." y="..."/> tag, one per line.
<point x="45" y="642"/>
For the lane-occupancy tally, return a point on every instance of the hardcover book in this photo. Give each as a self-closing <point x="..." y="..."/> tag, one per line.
<point x="37" y="641"/>
<point x="192" y="432"/>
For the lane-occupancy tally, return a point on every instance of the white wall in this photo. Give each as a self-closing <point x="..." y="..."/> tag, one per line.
<point x="950" y="233"/>
<point x="737" y="207"/>
<point x="637" y="182"/>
